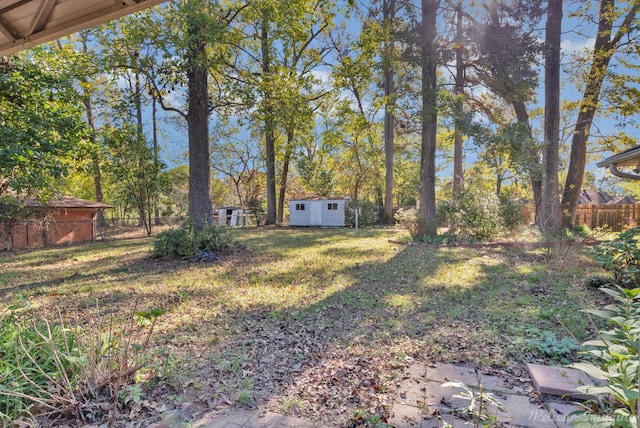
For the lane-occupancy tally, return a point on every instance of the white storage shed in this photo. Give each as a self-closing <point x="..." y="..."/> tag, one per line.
<point x="320" y="212"/>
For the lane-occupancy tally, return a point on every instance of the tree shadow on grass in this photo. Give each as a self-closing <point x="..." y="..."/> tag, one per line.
<point x="343" y="352"/>
<point x="342" y="342"/>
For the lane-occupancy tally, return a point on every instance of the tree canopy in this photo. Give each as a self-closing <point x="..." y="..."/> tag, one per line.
<point x="41" y="127"/>
<point x="387" y="101"/>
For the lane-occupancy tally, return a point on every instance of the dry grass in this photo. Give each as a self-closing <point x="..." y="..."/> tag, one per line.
<point x="315" y="322"/>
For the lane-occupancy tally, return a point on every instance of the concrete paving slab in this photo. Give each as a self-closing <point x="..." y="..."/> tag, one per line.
<point x="241" y="418"/>
<point x="443" y="372"/>
<point x="497" y="384"/>
<point x="559" y="381"/>
<point x="404" y="416"/>
<point x="519" y="411"/>
<point x="417" y="371"/>
<point x="274" y="420"/>
<point x="231" y="416"/>
<point x="438" y="422"/>
<point x="412" y="392"/>
<point x="559" y="413"/>
<point x="435" y="393"/>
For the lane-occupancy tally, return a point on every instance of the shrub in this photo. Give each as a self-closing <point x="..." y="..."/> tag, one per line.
<point x="510" y="213"/>
<point x="613" y="359"/>
<point x="367" y="215"/>
<point x="185" y="241"/>
<point x="621" y="257"/>
<point x="408" y="218"/>
<point x="217" y="239"/>
<point x="257" y="210"/>
<point x="474" y="215"/>
<point x="78" y="371"/>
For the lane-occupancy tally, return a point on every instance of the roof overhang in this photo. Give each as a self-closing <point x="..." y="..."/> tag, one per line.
<point x="64" y="202"/>
<point x="628" y="158"/>
<point x="27" y="23"/>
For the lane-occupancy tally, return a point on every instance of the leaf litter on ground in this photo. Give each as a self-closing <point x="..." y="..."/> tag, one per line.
<point x="316" y="323"/>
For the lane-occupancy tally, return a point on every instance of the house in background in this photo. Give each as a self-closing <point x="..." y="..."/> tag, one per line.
<point x="62" y="220"/>
<point x="600" y="210"/>
<point x="317" y="212"/>
<point x="601" y="198"/>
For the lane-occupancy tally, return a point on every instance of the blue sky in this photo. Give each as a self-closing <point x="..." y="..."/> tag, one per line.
<point x="174" y="138"/>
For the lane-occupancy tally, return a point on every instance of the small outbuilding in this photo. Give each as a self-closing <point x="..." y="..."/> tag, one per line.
<point x="317" y="212"/>
<point x="62" y="220"/>
<point x="231" y="216"/>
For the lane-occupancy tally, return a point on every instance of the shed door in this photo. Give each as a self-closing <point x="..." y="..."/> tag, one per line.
<point x="316" y="213"/>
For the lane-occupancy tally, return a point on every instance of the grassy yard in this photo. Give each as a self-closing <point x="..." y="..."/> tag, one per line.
<point x="317" y="323"/>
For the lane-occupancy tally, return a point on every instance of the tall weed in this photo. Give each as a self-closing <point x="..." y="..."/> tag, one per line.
<point x="52" y="369"/>
<point x="612" y="358"/>
<point x="621" y="257"/>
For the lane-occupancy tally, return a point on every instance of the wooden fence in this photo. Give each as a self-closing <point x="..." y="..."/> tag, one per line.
<point x="615" y="217"/>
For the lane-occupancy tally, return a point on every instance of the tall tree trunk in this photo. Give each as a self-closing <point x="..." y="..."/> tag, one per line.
<point x="156" y="158"/>
<point x="458" y="178"/>
<point x="142" y="183"/>
<point x="535" y="175"/>
<point x="551" y="220"/>
<point x="285" y="173"/>
<point x="605" y="46"/>
<point x="269" y="126"/>
<point x="200" y="206"/>
<point x="389" y="13"/>
<point x="95" y="158"/>
<point x="429" y="117"/>
<point x="379" y="196"/>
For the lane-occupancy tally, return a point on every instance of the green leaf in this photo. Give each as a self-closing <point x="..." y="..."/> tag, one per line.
<point x="599" y="313"/>
<point x="596" y="343"/>
<point x="591" y="370"/>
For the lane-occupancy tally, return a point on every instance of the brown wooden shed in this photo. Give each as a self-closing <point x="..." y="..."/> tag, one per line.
<point x="62" y="220"/>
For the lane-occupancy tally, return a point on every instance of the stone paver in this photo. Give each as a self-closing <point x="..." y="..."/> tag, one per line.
<point x="522" y="413"/>
<point x="560" y="413"/>
<point x="442" y="372"/>
<point x="241" y="418"/>
<point x="558" y="381"/>
<point x="420" y="403"/>
<point x="498" y="385"/>
<point x="423" y="402"/>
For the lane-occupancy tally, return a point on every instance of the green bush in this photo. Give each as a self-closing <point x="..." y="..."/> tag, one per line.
<point x="473" y="215"/>
<point x="62" y="370"/>
<point x="621" y="257"/>
<point x="510" y="213"/>
<point x="367" y="216"/>
<point x="613" y="358"/>
<point x="29" y="363"/>
<point x="214" y="238"/>
<point x="408" y="218"/>
<point x="185" y="241"/>
<point x="257" y="210"/>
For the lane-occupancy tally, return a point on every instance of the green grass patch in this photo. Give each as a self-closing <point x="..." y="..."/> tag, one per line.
<point x="260" y="317"/>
